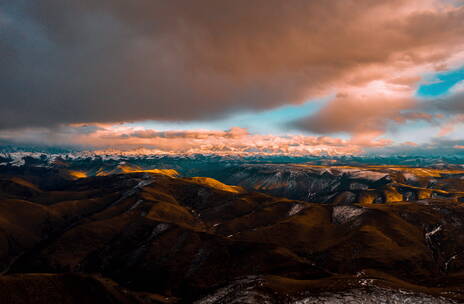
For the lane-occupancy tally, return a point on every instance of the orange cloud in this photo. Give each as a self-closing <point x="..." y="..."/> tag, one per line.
<point x="234" y="141"/>
<point x="360" y="111"/>
<point x="112" y="61"/>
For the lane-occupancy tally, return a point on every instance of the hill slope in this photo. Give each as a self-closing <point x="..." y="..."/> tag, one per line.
<point x="159" y="238"/>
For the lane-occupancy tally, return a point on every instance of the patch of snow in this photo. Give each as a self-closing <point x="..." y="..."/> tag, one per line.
<point x="296" y="209"/>
<point x="345" y="214"/>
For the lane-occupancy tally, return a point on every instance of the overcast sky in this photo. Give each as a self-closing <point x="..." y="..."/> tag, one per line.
<point x="256" y="75"/>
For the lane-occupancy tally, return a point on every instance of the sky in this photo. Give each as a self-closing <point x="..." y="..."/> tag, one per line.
<point x="262" y="76"/>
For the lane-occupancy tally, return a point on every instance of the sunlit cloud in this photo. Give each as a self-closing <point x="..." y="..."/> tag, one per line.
<point x="171" y="75"/>
<point x="232" y="141"/>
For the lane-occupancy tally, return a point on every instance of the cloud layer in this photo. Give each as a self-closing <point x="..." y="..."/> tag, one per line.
<point x="67" y="62"/>
<point x="233" y="141"/>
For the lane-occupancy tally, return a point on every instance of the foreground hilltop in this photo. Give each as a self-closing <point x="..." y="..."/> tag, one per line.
<point x="148" y="237"/>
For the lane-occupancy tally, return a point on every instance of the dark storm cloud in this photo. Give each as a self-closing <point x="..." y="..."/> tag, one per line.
<point x="107" y="61"/>
<point x="452" y="104"/>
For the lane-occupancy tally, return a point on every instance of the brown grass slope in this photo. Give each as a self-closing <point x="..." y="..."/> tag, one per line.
<point x="182" y="238"/>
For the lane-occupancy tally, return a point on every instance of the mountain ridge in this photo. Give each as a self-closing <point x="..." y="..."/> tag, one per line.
<point x="184" y="240"/>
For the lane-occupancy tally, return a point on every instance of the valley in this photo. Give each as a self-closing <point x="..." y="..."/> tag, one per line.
<point x="259" y="233"/>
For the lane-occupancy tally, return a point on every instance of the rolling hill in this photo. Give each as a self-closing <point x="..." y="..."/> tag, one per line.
<point x="149" y="237"/>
